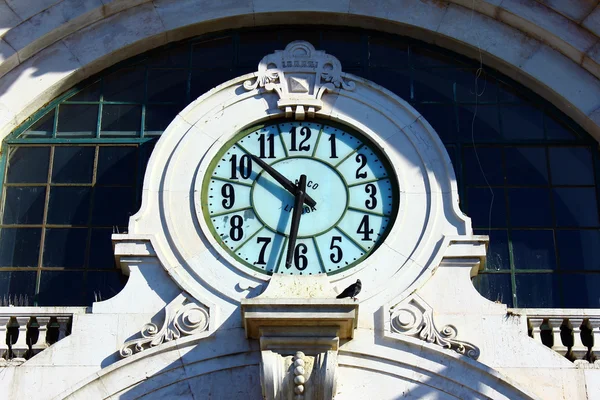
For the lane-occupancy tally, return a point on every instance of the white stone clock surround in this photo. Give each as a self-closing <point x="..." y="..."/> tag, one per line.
<point x="428" y="197"/>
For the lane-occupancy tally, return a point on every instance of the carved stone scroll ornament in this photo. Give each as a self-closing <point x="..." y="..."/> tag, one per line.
<point x="300" y="75"/>
<point x="414" y="317"/>
<point x="183" y="317"/>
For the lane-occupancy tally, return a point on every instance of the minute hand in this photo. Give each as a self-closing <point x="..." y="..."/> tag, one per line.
<point x="283" y="181"/>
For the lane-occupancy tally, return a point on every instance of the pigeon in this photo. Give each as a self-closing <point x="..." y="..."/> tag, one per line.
<point x="351" y="291"/>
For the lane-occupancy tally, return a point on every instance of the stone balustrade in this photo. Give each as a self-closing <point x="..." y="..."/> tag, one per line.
<point x="573" y="333"/>
<point x="25" y="331"/>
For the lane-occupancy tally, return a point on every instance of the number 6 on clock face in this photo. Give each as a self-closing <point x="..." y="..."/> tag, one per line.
<point x="249" y="212"/>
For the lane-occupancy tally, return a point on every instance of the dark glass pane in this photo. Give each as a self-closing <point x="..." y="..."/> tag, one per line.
<point x="395" y="80"/>
<point x="289" y="34"/>
<point x="486" y="207"/>
<point x="387" y="52"/>
<point x="571" y="166"/>
<point x="575" y="207"/>
<point x="167" y="85"/>
<point x="73" y="164"/>
<point x="433" y="85"/>
<point x="90" y="93"/>
<point x="530" y="207"/>
<point x="422" y="56"/>
<point x="69" y="205"/>
<point x="213" y="53"/>
<point x="121" y="120"/>
<point x="533" y="249"/>
<point x="537" y="290"/>
<point x="253" y="46"/>
<point x="346" y="46"/>
<point x="113" y="206"/>
<point x="510" y="93"/>
<point x="497" y="256"/>
<point x="526" y="166"/>
<point x="521" y="122"/>
<point x="116" y="165"/>
<point x="101" y="250"/>
<point x="28" y="164"/>
<point x="578" y="249"/>
<point x="483" y="166"/>
<point x="61" y="288"/>
<point x="204" y="80"/>
<point x="24" y="205"/>
<point x="556" y="128"/>
<point x="127" y="84"/>
<point x="580" y="290"/>
<point x="495" y="287"/>
<point x="17" y="288"/>
<point x="478" y="123"/>
<point x="102" y="285"/>
<point x="175" y="57"/>
<point x="158" y="118"/>
<point x="43" y="128"/>
<point x="77" y="120"/>
<point x="19" y="247"/>
<point x="474" y="86"/>
<point x="64" y="248"/>
<point x="442" y="118"/>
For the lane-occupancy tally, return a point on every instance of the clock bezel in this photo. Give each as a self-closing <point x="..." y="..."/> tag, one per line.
<point x="215" y="157"/>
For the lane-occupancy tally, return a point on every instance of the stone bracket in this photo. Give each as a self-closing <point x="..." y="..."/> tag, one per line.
<point x="299" y="337"/>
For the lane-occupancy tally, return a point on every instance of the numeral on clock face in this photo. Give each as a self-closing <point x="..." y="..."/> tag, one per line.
<point x="250" y="210"/>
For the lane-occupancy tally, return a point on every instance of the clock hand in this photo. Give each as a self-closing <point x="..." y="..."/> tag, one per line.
<point x="298" y="203"/>
<point x="283" y="181"/>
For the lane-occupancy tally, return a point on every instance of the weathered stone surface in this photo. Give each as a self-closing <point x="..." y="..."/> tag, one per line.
<point x="592" y="21"/>
<point x="175" y="14"/>
<point x="565" y="77"/>
<point x="576" y="10"/>
<point x="27" y="8"/>
<point x="548" y="26"/>
<point x="141" y="23"/>
<point x="8" y="19"/>
<point x="489" y="35"/>
<point x="423" y="13"/>
<point x="57" y="21"/>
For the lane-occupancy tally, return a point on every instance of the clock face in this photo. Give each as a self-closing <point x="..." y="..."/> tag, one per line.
<point x="250" y="213"/>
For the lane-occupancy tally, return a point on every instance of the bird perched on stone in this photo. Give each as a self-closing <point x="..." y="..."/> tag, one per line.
<point x="351" y="291"/>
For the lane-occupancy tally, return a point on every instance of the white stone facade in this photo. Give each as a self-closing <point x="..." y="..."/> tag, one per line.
<point x="421" y="331"/>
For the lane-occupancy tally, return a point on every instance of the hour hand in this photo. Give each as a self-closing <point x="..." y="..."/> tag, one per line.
<point x="283" y="181"/>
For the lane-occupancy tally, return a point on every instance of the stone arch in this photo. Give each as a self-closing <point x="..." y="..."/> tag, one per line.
<point x="184" y="367"/>
<point x="47" y="49"/>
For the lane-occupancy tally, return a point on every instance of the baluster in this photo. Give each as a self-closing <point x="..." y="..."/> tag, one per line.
<point x="554" y="324"/>
<point x="594" y="324"/>
<point x="42" y="326"/>
<point x="535" y="326"/>
<point x="579" y="350"/>
<point x="63" y="323"/>
<point x="3" y="336"/>
<point x="20" y="347"/>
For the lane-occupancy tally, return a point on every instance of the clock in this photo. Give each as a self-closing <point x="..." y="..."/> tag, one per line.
<point x="336" y="183"/>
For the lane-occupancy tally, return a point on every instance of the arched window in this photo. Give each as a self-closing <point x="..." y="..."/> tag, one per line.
<point x="527" y="175"/>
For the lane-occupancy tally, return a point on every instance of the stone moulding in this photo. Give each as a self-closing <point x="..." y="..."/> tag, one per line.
<point x="414" y="317"/>
<point x="183" y="317"/>
<point x="300" y="75"/>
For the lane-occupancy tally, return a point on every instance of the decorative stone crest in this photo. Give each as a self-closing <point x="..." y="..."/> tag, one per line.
<point x="300" y="75"/>
<point x="414" y="317"/>
<point x="182" y="317"/>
